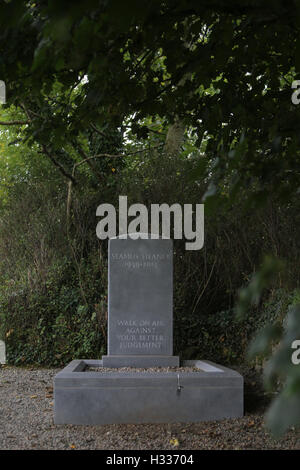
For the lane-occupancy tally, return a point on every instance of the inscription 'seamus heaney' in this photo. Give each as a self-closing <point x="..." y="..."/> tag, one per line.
<point x="142" y="334"/>
<point x="135" y="260"/>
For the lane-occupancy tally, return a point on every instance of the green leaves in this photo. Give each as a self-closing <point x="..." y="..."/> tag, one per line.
<point x="136" y="58"/>
<point x="285" y="410"/>
<point x="276" y="343"/>
<point x="251" y="294"/>
<point x="262" y="344"/>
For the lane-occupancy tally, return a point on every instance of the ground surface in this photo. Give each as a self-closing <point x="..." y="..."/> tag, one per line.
<point x="26" y="417"/>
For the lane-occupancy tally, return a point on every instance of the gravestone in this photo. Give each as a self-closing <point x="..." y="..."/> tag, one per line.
<point x="140" y="335"/>
<point x="140" y="303"/>
<point x="2" y="352"/>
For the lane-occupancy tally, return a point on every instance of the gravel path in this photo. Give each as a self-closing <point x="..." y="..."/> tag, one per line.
<point x="26" y="417"/>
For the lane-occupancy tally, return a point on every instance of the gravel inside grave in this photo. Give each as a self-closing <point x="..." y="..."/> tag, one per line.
<point x="142" y="369"/>
<point x="26" y="417"/>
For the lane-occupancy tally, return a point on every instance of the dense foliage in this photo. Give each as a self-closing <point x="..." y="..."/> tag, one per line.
<point x="170" y="101"/>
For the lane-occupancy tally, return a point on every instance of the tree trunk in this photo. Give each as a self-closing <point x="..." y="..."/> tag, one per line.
<point x="174" y="137"/>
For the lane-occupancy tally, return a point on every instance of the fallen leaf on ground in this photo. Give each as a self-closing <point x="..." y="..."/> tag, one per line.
<point x="174" y="442"/>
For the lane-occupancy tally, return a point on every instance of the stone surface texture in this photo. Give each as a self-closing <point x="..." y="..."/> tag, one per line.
<point x="140" y="303"/>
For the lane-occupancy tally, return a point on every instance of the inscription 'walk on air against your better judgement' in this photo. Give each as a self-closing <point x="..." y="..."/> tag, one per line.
<point x="142" y="334"/>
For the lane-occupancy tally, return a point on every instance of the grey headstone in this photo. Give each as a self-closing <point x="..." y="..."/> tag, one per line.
<point x="2" y="352"/>
<point x="140" y="303"/>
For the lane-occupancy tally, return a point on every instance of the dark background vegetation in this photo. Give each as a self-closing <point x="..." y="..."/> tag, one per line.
<point x="53" y="290"/>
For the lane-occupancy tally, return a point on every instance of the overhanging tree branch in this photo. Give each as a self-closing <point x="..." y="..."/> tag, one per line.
<point x="13" y="123"/>
<point x="58" y="165"/>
